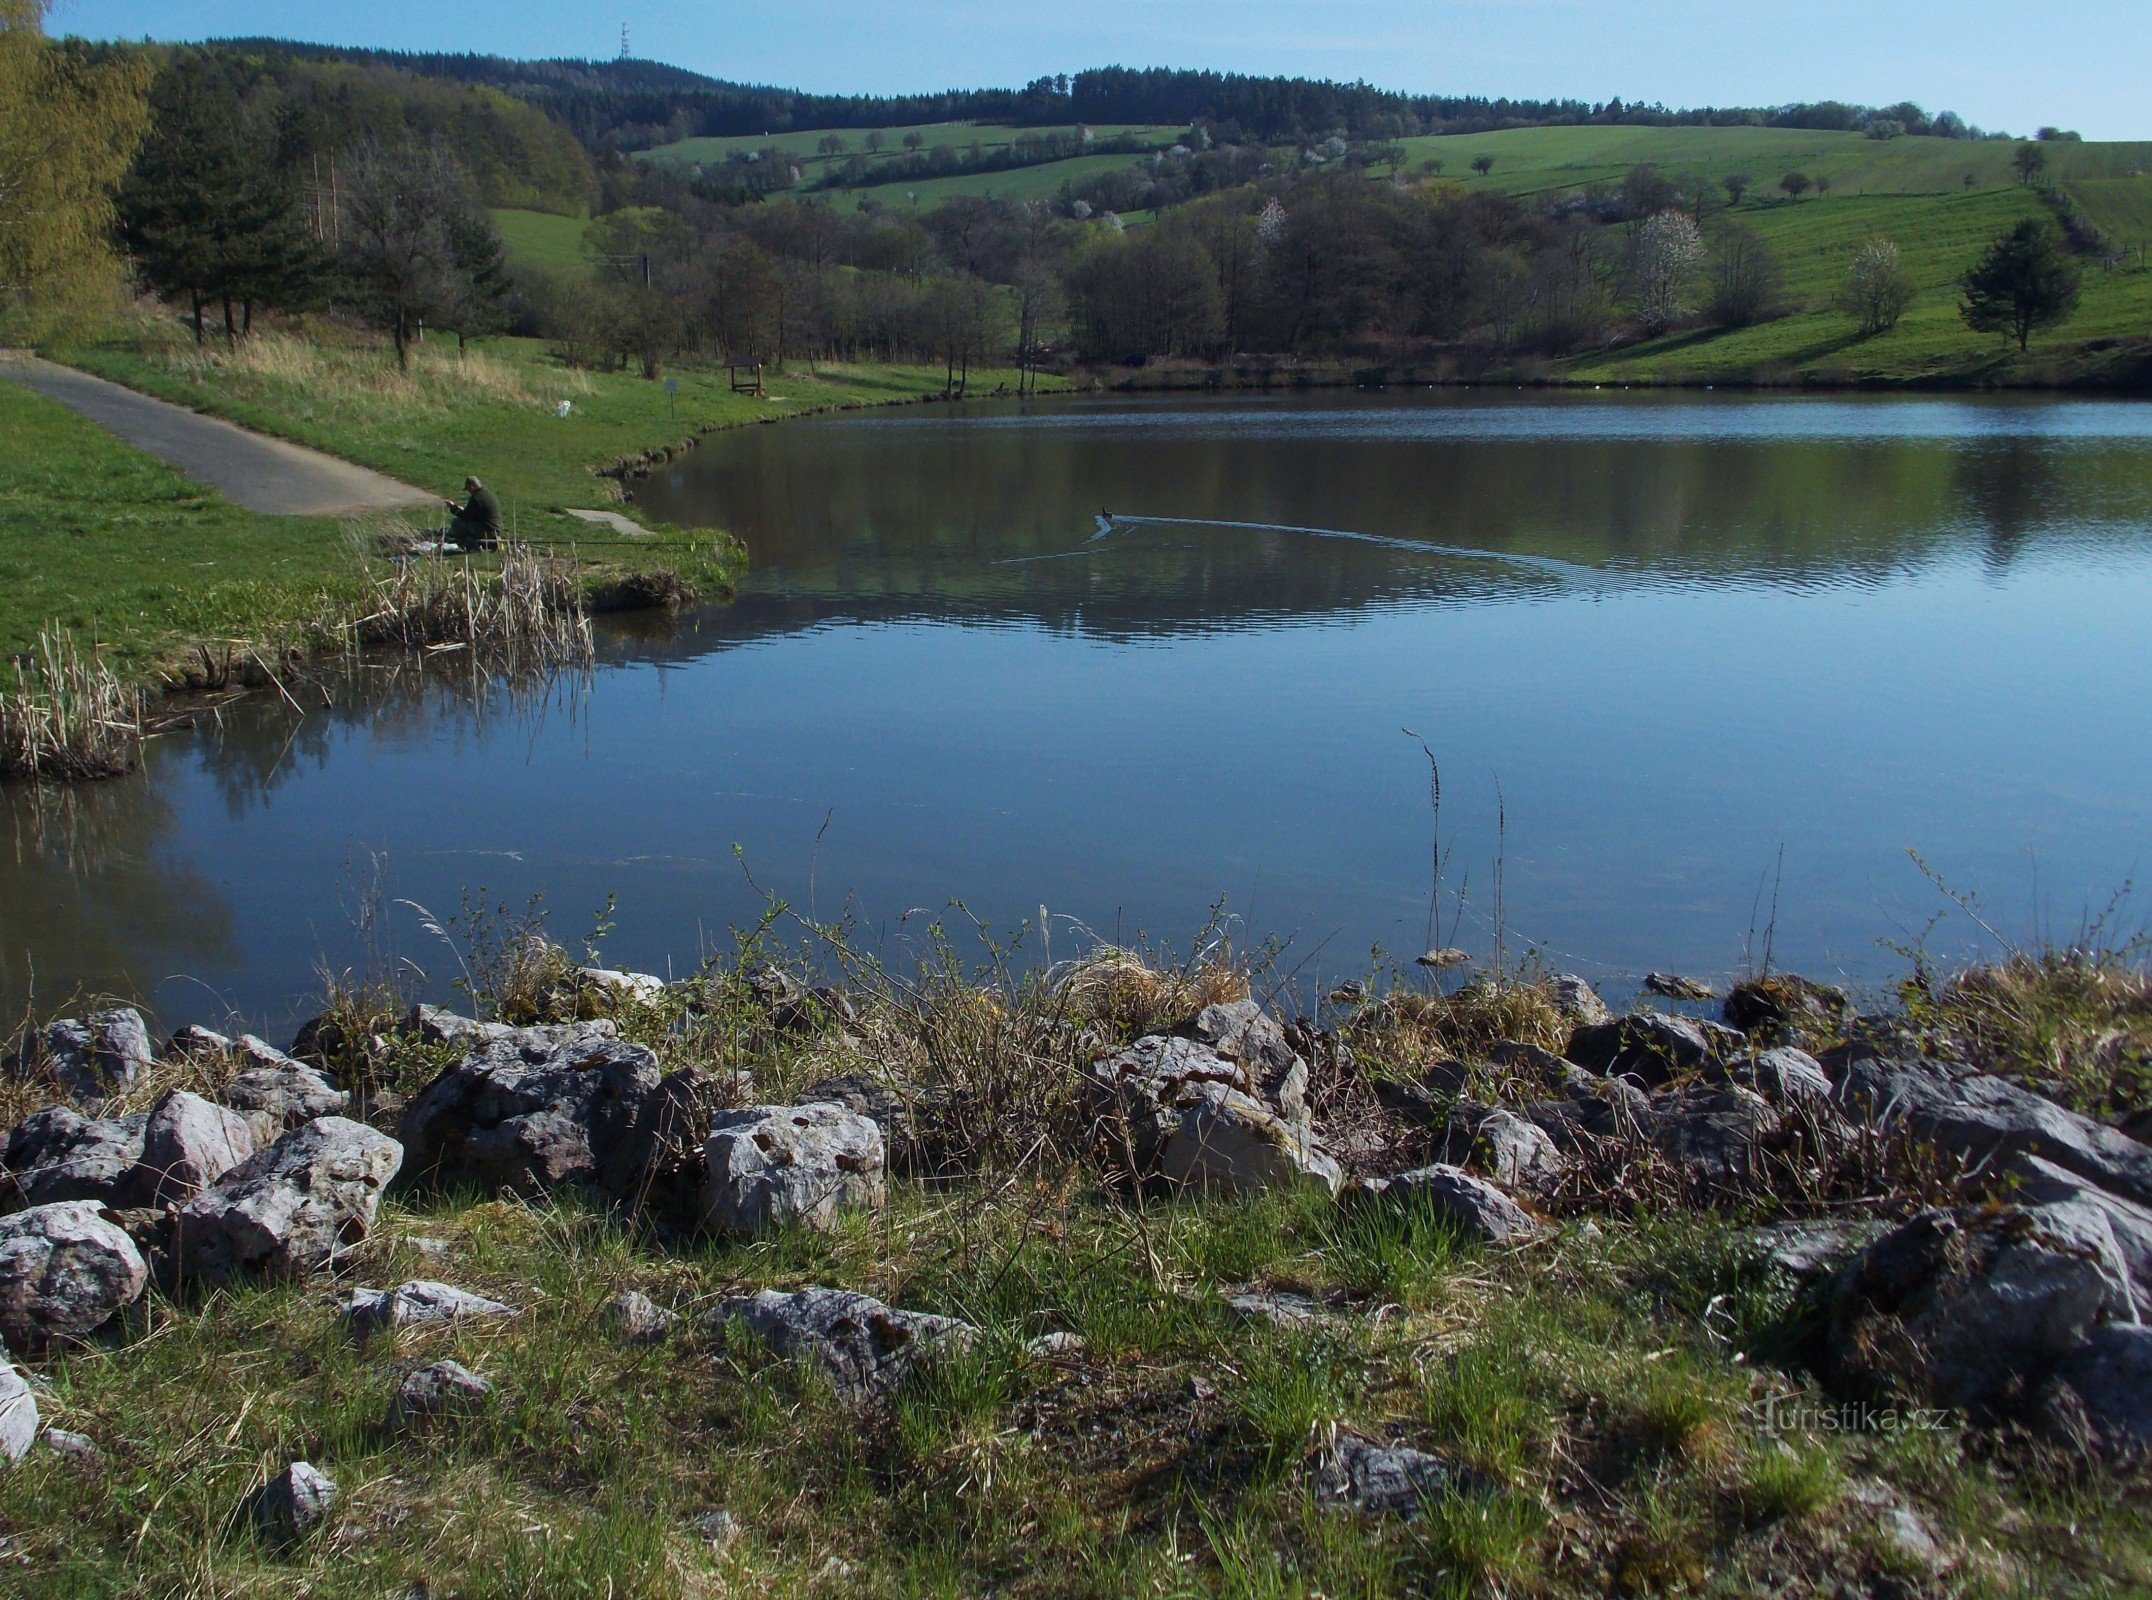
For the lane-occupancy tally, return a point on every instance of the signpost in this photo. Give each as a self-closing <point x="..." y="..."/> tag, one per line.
<point x="672" y="397"/>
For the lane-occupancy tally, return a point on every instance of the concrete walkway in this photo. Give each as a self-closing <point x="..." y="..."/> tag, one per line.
<point x="259" y="473"/>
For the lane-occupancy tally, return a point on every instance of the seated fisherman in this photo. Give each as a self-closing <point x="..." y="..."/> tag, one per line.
<point x="477" y="524"/>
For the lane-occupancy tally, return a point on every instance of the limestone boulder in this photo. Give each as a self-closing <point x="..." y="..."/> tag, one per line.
<point x="438" y="1393"/>
<point x="1224" y="1140"/>
<point x="289" y="1210"/>
<point x="292" y="1504"/>
<point x="530" y="1111"/>
<point x="774" y="1166"/>
<point x="1475" y="1207"/>
<point x="65" y="1271"/>
<point x="417" y="1304"/>
<point x="59" y="1154"/>
<point x="18" y="1414"/>
<point x="100" y="1054"/>
<point x="862" y="1346"/>
<point x="187" y="1144"/>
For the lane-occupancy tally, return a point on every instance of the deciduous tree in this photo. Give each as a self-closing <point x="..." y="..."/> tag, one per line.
<point x="1878" y="286"/>
<point x="1669" y="249"/>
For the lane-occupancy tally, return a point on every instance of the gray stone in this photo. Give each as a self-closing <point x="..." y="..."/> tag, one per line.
<point x="530" y="1111"/>
<point x="419" y="1303"/>
<point x="276" y="1093"/>
<point x="2110" y="1374"/>
<point x="1715" y="1135"/>
<point x="1577" y="1000"/>
<point x="657" y="1166"/>
<point x="1382" y="1479"/>
<point x="1651" y="1048"/>
<point x="77" y="1449"/>
<point x="1060" y="1345"/>
<point x="641" y="988"/>
<point x="1986" y="1119"/>
<point x="906" y="1114"/>
<point x="1476" y="1207"/>
<point x="187" y="1145"/>
<point x="65" y="1271"/>
<point x="434" y="1393"/>
<point x="1973" y="1307"/>
<point x="1807" y="1252"/>
<point x="1223" y="1139"/>
<point x="772" y="1166"/>
<point x="719" y="1529"/>
<point x="1781" y="1005"/>
<point x="290" y="1209"/>
<point x="293" y="1504"/>
<point x="1279" y="1306"/>
<point x="59" y="1154"/>
<point x="1785" y="1076"/>
<point x="101" y="1054"/>
<point x="1240" y="1031"/>
<point x="18" y="1414"/>
<point x="2031" y="1181"/>
<point x="638" y="1319"/>
<point x="1514" y="1152"/>
<point x="1591" y="1109"/>
<point x="1674" y="986"/>
<point x="861" y="1345"/>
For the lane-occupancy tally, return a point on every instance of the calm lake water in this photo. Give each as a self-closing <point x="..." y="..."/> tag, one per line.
<point x="1671" y="641"/>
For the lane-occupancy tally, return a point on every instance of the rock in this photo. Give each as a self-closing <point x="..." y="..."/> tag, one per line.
<point x="79" y="1450"/>
<point x="1808" y="1252"/>
<point x="2110" y="1376"/>
<point x="720" y="1529"/>
<point x="1443" y="959"/>
<point x="419" y="1303"/>
<point x="1973" y="1307"/>
<point x="1382" y="1479"/>
<point x="530" y="1111"/>
<point x="196" y="1040"/>
<point x="641" y="988"/>
<point x="1673" y="986"/>
<point x="437" y="1025"/>
<point x="1278" y="1306"/>
<point x="106" y="1052"/>
<point x="277" y="1094"/>
<point x="1650" y="1048"/>
<point x="638" y="1319"/>
<point x="1426" y="1099"/>
<point x="187" y="1145"/>
<point x="904" y="1113"/>
<point x="1784" y="1076"/>
<point x="290" y="1209"/>
<point x="862" y="1346"/>
<point x="657" y="1166"/>
<point x="1986" y="1119"/>
<point x="770" y="1166"/>
<point x="1227" y="1140"/>
<point x="1514" y="1152"/>
<point x="1240" y="1031"/>
<point x="1716" y="1135"/>
<point x="1909" y="1539"/>
<point x="59" y="1154"/>
<point x="1476" y="1207"/>
<point x="1577" y="1000"/>
<point x="431" y="1394"/>
<point x="1059" y="1345"/>
<point x="1780" y="1005"/>
<point x="65" y="1271"/>
<point x="1146" y="1083"/>
<point x="1591" y="1109"/>
<point x="292" y="1504"/>
<point x="2031" y="1181"/>
<point x="18" y="1414"/>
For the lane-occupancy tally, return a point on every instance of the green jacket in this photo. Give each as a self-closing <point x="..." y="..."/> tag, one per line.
<point x="478" y="519"/>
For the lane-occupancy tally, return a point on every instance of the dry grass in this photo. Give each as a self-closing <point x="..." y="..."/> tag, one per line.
<point x="68" y="715"/>
<point x="2078" y="1019"/>
<point x="438" y="378"/>
<point x="1407" y="1029"/>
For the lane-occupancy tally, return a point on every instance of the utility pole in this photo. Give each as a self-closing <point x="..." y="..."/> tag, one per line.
<point x="625" y="54"/>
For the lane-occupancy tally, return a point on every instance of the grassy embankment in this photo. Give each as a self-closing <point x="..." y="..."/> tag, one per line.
<point x="107" y="540"/>
<point x="1606" y="1391"/>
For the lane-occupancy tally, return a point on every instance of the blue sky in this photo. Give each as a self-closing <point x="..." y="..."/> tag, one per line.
<point x="2002" y="63"/>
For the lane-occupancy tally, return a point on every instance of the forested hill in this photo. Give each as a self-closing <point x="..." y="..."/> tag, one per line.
<point x="633" y="104"/>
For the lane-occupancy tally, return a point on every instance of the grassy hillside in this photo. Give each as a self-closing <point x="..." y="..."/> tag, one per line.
<point x="1542" y="160"/>
<point x="543" y="240"/>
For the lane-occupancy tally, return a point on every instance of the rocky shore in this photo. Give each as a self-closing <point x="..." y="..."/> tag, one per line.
<point x="1944" y="1237"/>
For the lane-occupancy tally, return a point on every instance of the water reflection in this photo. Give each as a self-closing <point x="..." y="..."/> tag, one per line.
<point x="1681" y="635"/>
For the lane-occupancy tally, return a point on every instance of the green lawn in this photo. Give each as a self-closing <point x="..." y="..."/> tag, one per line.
<point x="97" y="536"/>
<point x="1542" y="160"/>
<point x="544" y="240"/>
<point x="804" y="142"/>
<point x="1940" y="235"/>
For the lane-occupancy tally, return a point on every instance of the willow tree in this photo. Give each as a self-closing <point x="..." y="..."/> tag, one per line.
<point x="70" y="118"/>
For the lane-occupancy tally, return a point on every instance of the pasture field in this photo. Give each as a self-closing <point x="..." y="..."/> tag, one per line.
<point x="543" y="240"/>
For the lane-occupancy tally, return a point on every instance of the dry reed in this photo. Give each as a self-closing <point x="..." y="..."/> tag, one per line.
<point x="68" y="715"/>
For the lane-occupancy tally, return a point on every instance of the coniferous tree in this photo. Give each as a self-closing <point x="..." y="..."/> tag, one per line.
<point x="2023" y="282"/>
<point x="205" y="217"/>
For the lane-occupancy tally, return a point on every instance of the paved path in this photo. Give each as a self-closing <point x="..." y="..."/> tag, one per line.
<point x="259" y="473"/>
